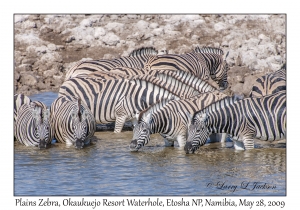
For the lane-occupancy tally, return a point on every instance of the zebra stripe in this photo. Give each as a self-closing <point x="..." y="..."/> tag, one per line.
<point x="201" y="64"/>
<point x="179" y="82"/>
<point x="32" y="126"/>
<point x="115" y="100"/>
<point x="170" y="119"/>
<point x="136" y="60"/>
<point x="73" y="122"/>
<point x="19" y="100"/>
<point x="269" y="84"/>
<point x="263" y="118"/>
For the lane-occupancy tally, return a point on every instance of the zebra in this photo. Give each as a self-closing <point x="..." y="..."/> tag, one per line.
<point x="170" y="119"/>
<point x="186" y="83"/>
<point x="119" y="100"/>
<point x="263" y="118"/>
<point x="204" y="63"/>
<point x="73" y="122"/>
<point x="19" y="100"/>
<point x="32" y="123"/>
<point x="269" y="84"/>
<point x="136" y="59"/>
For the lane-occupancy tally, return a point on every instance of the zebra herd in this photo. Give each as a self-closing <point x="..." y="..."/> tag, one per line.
<point x="167" y="94"/>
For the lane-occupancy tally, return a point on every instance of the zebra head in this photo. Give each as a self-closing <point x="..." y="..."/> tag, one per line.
<point x="41" y="125"/>
<point x="79" y="125"/>
<point x="141" y="132"/>
<point x="197" y="133"/>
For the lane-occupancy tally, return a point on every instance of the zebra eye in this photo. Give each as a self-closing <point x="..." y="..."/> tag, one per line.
<point x="144" y="130"/>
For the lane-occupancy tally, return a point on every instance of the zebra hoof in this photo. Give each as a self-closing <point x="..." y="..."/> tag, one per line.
<point x="133" y="146"/>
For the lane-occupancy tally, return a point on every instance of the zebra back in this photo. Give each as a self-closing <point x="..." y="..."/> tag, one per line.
<point x="19" y="100"/>
<point x="136" y="60"/>
<point x="72" y="120"/>
<point x="180" y="83"/>
<point x="210" y="50"/>
<point x="144" y="53"/>
<point x="263" y="118"/>
<point x="269" y="84"/>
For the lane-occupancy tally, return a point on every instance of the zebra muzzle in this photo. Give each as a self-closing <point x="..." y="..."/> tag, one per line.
<point x="188" y="148"/>
<point x="134" y="147"/>
<point x="79" y="144"/>
<point x="42" y="144"/>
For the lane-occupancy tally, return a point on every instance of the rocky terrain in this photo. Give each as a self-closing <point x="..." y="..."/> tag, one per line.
<point x="46" y="46"/>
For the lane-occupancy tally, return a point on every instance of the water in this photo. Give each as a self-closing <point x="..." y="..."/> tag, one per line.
<point x="107" y="167"/>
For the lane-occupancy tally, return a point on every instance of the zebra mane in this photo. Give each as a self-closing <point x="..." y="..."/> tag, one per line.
<point x="208" y="50"/>
<point x="220" y="103"/>
<point x="143" y="51"/>
<point x="192" y="79"/>
<point x="154" y="107"/>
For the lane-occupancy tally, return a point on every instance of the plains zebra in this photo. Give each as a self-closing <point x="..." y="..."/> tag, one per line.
<point x="73" y="122"/>
<point x="178" y="81"/>
<point x="263" y="118"/>
<point x="170" y="119"/>
<point x="19" y="100"/>
<point x="115" y="100"/>
<point x="32" y="126"/>
<point x="136" y="60"/>
<point x="269" y="84"/>
<point x="202" y="64"/>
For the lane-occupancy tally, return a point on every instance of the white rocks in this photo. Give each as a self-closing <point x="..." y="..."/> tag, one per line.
<point x="220" y="26"/>
<point x="99" y="31"/>
<point x="28" y="79"/>
<point x="115" y="27"/>
<point x="110" y="39"/>
<point x="158" y="31"/>
<point x="20" y="18"/>
<point x="142" y="25"/>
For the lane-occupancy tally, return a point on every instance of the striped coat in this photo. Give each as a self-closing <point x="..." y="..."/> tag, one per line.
<point x="170" y="119"/>
<point x="32" y="123"/>
<point x="135" y="60"/>
<point x="262" y="118"/>
<point x="269" y="84"/>
<point x="73" y="122"/>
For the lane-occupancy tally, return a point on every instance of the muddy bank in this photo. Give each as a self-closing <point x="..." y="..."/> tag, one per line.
<point x="46" y="46"/>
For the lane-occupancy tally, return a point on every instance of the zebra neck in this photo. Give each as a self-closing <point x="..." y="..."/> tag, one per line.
<point x="220" y="119"/>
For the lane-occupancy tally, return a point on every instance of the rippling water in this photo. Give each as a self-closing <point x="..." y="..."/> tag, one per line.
<point x="107" y="167"/>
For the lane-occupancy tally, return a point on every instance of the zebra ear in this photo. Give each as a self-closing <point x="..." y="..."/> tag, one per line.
<point x="147" y="116"/>
<point x="189" y="117"/>
<point x="46" y="114"/>
<point x="226" y="55"/>
<point x="203" y="117"/>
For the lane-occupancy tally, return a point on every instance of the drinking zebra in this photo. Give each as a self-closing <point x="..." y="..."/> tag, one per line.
<point x="170" y="119"/>
<point x="263" y="118"/>
<point x="269" y="84"/>
<point x="119" y="100"/>
<point x="136" y="60"/>
<point x="32" y="126"/>
<point x="73" y="122"/>
<point x="203" y="62"/>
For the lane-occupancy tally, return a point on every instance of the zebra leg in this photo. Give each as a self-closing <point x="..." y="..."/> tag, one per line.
<point x="181" y="139"/>
<point x="238" y="145"/>
<point x="223" y="137"/>
<point x="120" y="121"/>
<point x="248" y="142"/>
<point x="169" y="142"/>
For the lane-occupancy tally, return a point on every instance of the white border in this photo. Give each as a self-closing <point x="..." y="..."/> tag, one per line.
<point x="153" y="6"/>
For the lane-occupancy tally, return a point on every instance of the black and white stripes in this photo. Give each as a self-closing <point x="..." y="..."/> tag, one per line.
<point x="262" y="118"/>
<point x="32" y="126"/>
